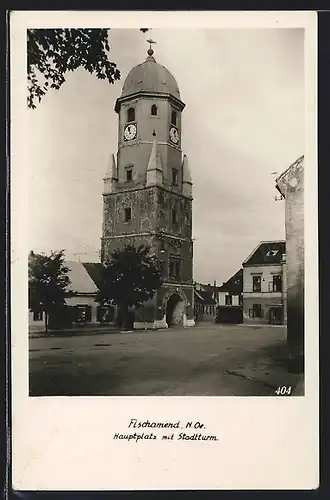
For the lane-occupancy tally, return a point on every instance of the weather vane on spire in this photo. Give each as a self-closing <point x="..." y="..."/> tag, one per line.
<point x="150" y="50"/>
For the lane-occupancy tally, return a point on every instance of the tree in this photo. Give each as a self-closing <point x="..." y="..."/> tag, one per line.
<point x="53" y="52"/>
<point x="130" y="278"/>
<point x="49" y="283"/>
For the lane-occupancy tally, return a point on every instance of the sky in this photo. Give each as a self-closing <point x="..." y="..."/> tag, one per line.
<point x="243" y="121"/>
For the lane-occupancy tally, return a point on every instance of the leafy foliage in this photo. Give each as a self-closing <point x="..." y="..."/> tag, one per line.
<point x="49" y="283"/>
<point x="53" y="52"/>
<point x="130" y="278"/>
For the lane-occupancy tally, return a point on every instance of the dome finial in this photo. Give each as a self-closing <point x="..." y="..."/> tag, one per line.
<point x="150" y="51"/>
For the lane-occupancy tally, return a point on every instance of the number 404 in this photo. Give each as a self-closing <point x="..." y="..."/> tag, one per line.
<point x="283" y="390"/>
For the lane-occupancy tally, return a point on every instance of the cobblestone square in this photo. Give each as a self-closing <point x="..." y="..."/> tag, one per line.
<point x="206" y="360"/>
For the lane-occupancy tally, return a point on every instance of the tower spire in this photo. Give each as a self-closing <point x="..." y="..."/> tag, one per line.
<point x="111" y="175"/>
<point x="186" y="177"/>
<point x="154" y="169"/>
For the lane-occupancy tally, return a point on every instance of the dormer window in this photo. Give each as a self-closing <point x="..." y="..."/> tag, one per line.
<point x="154" y="110"/>
<point x="131" y="115"/>
<point x="271" y="253"/>
<point x="173" y="117"/>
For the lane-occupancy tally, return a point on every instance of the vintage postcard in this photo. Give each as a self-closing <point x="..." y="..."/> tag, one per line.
<point x="164" y="250"/>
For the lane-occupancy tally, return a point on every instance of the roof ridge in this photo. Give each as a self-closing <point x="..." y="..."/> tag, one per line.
<point x="287" y="169"/>
<point x="272" y="241"/>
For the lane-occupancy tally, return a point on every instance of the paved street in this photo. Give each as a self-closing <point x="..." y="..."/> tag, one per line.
<point x="214" y="360"/>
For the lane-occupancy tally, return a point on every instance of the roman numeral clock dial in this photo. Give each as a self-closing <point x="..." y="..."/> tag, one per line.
<point x="130" y="132"/>
<point x="174" y="135"/>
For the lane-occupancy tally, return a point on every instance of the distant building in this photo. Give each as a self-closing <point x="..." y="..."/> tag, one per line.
<point x="291" y="186"/>
<point x="263" y="298"/>
<point x="230" y="300"/>
<point x="220" y="303"/>
<point x="230" y="293"/>
<point x="205" y="302"/>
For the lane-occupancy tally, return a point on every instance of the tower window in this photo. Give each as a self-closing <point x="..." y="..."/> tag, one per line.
<point x="174" y="177"/>
<point x="154" y="110"/>
<point x="129" y="174"/>
<point x="174" y="216"/>
<point x="128" y="214"/>
<point x="174" y="268"/>
<point x="173" y="118"/>
<point x="131" y="115"/>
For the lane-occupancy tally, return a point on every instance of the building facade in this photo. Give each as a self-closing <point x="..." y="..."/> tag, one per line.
<point x="263" y="298"/>
<point x="291" y="186"/>
<point x="148" y="191"/>
<point x="230" y="293"/>
<point x="205" y="300"/>
<point x="81" y="308"/>
<point x="230" y="299"/>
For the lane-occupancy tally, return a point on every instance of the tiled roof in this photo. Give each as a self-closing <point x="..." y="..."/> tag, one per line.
<point x="94" y="271"/>
<point x="234" y="285"/>
<point x="207" y="296"/>
<point x="267" y="252"/>
<point x="81" y="281"/>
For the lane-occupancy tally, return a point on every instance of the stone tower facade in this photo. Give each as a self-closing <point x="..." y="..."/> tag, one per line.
<point x="148" y="190"/>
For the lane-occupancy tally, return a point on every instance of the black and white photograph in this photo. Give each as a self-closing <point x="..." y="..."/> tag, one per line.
<point x="165" y="241"/>
<point x="166" y="226"/>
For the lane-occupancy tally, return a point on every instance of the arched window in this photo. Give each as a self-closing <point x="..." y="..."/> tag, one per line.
<point x="154" y="110"/>
<point x="131" y="115"/>
<point x="173" y="118"/>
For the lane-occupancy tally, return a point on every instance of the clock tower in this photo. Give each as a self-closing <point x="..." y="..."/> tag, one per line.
<point x="148" y="190"/>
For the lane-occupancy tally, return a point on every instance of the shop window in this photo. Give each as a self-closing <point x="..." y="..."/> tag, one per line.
<point x="83" y="313"/>
<point x="256" y="311"/>
<point x="105" y="314"/>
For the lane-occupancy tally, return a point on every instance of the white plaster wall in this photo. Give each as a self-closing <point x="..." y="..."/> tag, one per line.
<point x="86" y="301"/>
<point x="267" y="272"/>
<point x="235" y="300"/>
<point x="222" y="300"/>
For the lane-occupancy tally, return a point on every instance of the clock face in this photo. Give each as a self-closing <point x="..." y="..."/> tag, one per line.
<point x="130" y="132"/>
<point x="174" y="135"/>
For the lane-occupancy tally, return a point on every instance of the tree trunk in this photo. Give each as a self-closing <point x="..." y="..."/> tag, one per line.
<point x="125" y="317"/>
<point x="46" y="321"/>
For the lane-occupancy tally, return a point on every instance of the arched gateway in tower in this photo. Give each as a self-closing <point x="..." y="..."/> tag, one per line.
<point x="148" y="190"/>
